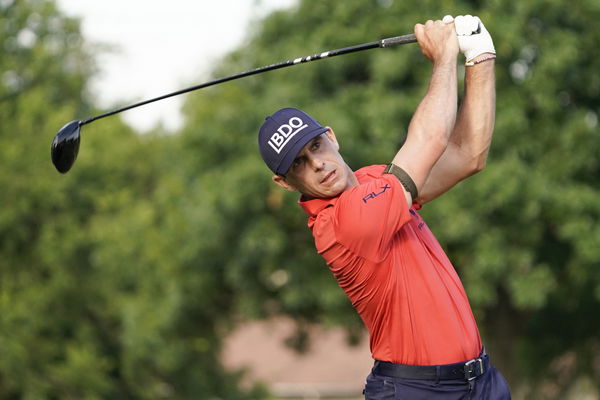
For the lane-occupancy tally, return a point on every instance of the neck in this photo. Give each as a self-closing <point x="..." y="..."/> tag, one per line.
<point x="352" y="179"/>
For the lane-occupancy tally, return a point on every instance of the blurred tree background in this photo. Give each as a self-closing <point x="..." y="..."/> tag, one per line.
<point x="120" y="279"/>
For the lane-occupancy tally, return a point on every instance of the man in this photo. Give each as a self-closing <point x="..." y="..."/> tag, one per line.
<point x="366" y="224"/>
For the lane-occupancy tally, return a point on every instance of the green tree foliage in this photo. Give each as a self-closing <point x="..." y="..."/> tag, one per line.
<point x="96" y="298"/>
<point x="119" y="279"/>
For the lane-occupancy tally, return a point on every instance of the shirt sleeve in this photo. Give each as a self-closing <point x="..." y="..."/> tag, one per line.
<point x="369" y="215"/>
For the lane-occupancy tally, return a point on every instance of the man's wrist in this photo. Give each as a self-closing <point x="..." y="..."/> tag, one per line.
<point x="483" y="57"/>
<point x="445" y="63"/>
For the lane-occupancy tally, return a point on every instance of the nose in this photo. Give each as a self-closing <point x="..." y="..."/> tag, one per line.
<point x="316" y="163"/>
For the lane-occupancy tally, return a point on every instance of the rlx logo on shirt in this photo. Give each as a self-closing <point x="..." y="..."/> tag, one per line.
<point x="372" y="195"/>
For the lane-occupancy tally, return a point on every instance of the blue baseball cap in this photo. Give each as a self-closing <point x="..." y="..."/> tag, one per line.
<point x="283" y="135"/>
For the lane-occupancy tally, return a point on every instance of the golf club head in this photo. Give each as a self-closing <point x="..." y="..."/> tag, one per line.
<point x="65" y="146"/>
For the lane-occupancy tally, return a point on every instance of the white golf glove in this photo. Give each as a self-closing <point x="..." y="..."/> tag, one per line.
<point x="473" y="38"/>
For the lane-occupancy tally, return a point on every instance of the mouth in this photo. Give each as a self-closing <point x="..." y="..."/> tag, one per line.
<point x="329" y="177"/>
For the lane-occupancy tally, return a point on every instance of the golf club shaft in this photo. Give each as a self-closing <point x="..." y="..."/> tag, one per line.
<point x="389" y="42"/>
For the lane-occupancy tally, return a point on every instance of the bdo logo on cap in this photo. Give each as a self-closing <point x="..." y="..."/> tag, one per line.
<point x="285" y="133"/>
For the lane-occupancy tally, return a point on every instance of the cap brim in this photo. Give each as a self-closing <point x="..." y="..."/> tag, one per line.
<point x="292" y="153"/>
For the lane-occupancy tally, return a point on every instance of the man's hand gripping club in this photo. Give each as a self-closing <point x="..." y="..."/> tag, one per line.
<point x="473" y="39"/>
<point x="438" y="41"/>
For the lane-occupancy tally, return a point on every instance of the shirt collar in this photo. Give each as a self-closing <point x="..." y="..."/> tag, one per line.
<point x="312" y="207"/>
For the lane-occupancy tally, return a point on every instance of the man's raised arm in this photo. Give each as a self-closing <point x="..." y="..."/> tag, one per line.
<point x="435" y="117"/>
<point x="467" y="150"/>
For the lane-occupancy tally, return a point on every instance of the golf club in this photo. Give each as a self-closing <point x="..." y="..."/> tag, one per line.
<point x="65" y="145"/>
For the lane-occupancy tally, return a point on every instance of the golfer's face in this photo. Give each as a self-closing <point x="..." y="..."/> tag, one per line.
<point x="319" y="170"/>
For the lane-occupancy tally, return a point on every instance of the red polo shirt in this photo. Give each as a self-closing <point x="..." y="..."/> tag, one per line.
<point x="394" y="272"/>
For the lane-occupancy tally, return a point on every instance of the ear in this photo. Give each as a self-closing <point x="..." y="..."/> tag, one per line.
<point x="331" y="136"/>
<point x="280" y="180"/>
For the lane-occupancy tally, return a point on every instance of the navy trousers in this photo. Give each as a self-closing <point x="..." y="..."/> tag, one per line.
<point x="489" y="386"/>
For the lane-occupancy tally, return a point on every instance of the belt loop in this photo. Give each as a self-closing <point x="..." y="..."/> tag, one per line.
<point x="375" y="365"/>
<point x="437" y="374"/>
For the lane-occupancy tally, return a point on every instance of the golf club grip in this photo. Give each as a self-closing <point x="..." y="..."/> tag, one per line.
<point x="398" y="40"/>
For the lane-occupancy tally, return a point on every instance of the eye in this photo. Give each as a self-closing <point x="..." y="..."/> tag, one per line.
<point x="297" y="162"/>
<point x="316" y="144"/>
